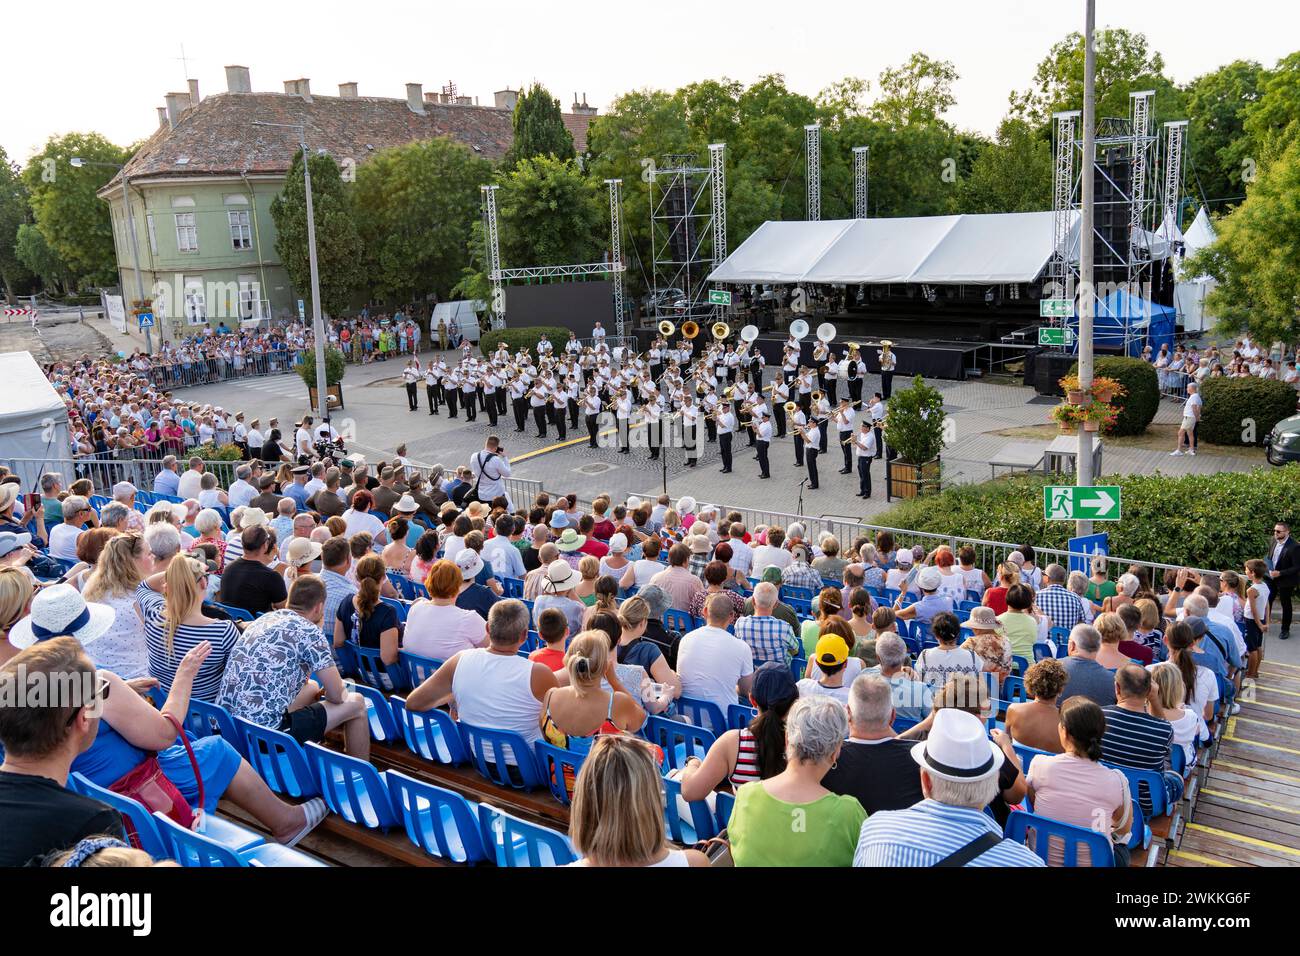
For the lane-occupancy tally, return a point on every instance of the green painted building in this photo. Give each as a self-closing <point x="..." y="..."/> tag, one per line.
<point x="201" y="187"/>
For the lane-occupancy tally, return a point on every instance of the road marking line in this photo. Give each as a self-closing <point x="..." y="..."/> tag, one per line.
<point x="1255" y="743"/>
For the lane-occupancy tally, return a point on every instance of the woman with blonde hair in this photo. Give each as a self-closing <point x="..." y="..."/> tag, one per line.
<point x="396" y="554"/>
<point x="585" y="591"/>
<point x="605" y="600"/>
<point x="1169" y="701"/>
<point x="364" y="619"/>
<point x="573" y="716"/>
<point x="171" y="606"/>
<point x="1113" y="631"/>
<point x="90" y="545"/>
<point x="617" y="816"/>
<point x="16" y="590"/>
<point x="338" y="527"/>
<point x="124" y="563"/>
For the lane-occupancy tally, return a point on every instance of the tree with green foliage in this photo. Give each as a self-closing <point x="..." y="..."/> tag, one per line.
<point x="338" y="245"/>
<point x="1217" y="145"/>
<point x="414" y="206"/>
<point x="74" y="221"/>
<point x="1272" y="122"/>
<point x="1256" y="257"/>
<point x="918" y="92"/>
<point x="539" y="129"/>
<point x="1012" y="174"/>
<point x="550" y="214"/>
<point x="1125" y="64"/>
<point x="15" y="211"/>
<point x="36" y="256"/>
<point x="914" y="422"/>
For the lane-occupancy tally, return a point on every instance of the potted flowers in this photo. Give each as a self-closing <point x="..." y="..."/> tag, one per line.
<point x="1069" y="417"/>
<point x="1105" y="389"/>
<point x="1073" y="390"/>
<point x="1097" y="416"/>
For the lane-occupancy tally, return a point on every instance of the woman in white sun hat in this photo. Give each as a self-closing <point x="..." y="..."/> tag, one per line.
<point x="60" y="610"/>
<point x="557" y="591"/>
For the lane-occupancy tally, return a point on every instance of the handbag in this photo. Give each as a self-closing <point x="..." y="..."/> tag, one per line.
<point x="147" y="784"/>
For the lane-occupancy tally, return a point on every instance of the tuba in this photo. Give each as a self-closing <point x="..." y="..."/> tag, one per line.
<point x="667" y="329"/>
<point x="690" y="329"/>
<point x="749" y="333"/>
<point x="826" y="332"/>
<point x="799" y="329"/>
<point x="720" y="330"/>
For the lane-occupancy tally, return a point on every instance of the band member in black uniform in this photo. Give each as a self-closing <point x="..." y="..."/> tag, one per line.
<point x="764" y="429"/>
<point x="726" y="428"/>
<point x="844" y="434"/>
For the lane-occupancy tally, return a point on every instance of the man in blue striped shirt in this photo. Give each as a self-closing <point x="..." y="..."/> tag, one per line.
<point x="959" y="777"/>
<point x="769" y="638"/>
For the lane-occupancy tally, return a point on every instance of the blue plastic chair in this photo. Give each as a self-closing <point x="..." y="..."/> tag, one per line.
<point x="1041" y="651"/>
<point x="798" y="667"/>
<point x="1013" y="690"/>
<point x="198" y="849"/>
<point x="496" y="753"/>
<point x="278" y="759"/>
<point x="513" y="587"/>
<point x="145" y="836"/>
<point x="1046" y="831"/>
<point x="1027" y="755"/>
<point x="352" y="788"/>
<point x="904" y="723"/>
<point x="440" y="822"/>
<point x="1147" y="788"/>
<point x="675" y="620"/>
<point x="723" y="804"/>
<point x="401" y="607"/>
<point x="382" y="725"/>
<point x="678" y="741"/>
<point x="1019" y="665"/>
<point x="740" y="715"/>
<point x="205" y="719"/>
<point x="517" y="843"/>
<point x="702" y="713"/>
<point x="553" y="762"/>
<point x="373" y="670"/>
<point x="418" y="669"/>
<point x="790" y="592"/>
<point x="432" y="733"/>
<point x="701" y="823"/>
<point x="237" y="613"/>
<point x="1060" y="636"/>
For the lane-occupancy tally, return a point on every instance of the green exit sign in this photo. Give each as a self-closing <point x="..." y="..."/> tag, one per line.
<point x="1055" y="308"/>
<point x="719" y="297"/>
<point x="1071" y="503"/>
<point x="1048" y="335"/>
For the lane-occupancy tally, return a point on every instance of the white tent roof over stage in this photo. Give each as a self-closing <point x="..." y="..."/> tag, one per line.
<point x="1005" y="247"/>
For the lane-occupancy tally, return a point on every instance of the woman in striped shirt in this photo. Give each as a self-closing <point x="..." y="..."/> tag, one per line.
<point x="171" y="606"/>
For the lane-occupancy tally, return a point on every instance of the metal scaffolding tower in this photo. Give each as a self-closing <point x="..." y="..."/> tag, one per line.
<point x="616" y="249"/>
<point x="812" y="143"/>
<point x="860" y="154"/>
<point x="1141" y="199"/>
<point x="686" y="238"/>
<point x="1175" y="136"/>
<point x="1064" y="184"/>
<point x="492" y="237"/>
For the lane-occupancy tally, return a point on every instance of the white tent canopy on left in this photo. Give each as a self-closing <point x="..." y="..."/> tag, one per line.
<point x="33" y="420"/>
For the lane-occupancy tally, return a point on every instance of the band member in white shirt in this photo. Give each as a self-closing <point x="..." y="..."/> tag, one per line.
<point x="888" y="362"/>
<point x="491" y="386"/>
<point x="690" y="428"/>
<point x="811" y="440"/>
<point x="559" y="409"/>
<point x="710" y="404"/>
<point x="844" y="430"/>
<point x="538" y="401"/>
<point x="864" y="447"/>
<point x="469" y="387"/>
<point x="790" y="362"/>
<point x="726" y="428"/>
<point x="763" y="428"/>
<point x="651" y="414"/>
<point x="878" y="422"/>
<point x="780" y="395"/>
<point x="804" y="389"/>
<point x="822" y="413"/>
<point x="598" y="334"/>
<point x="830" y="374"/>
<point x="797" y="422"/>
<point x="821" y="355"/>
<point x="302" y="445"/>
<point x="623" y="414"/>
<point x="573" y="346"/>
<point x="431" y="387"/>
<point x="591" y="412"/>
<point x="411" y="376"/>
<point x="519" y="400"/>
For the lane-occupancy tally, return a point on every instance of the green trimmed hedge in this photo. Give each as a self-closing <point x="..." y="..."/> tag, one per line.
<point x="335" y="365"/>
<point x="1137" y="409"/>
<point x="524" y="337"/>
<point x="212" y="452"/>
<point x="1207" y="521"/>
<point x="1242" y="411"/>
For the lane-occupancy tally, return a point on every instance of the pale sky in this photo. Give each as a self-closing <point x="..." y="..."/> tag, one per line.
<point x="82" y="66"/>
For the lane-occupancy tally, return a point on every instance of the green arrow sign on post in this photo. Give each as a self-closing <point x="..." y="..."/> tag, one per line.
<point x="719" y="297"/>
<point x="1070" y="503"/>
<point x="1048" y="335"/>
<point x="1055" y="308"/>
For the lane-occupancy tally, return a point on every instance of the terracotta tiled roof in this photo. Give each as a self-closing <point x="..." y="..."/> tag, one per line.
<point x="219" y="135"/>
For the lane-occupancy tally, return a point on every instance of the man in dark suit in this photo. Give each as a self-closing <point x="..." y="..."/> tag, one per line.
<point x="1284" y="573"/>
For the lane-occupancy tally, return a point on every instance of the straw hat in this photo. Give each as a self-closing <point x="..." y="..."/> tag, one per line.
<point x="60" y="610"/>
<point x="302" y="551"/>
<point x="560" y="577"/>
<point x="570" y="540"/>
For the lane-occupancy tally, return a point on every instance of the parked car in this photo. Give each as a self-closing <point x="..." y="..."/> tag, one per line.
<point x="1283" y="442"/>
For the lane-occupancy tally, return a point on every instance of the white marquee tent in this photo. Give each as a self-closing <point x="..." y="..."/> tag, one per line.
<point x="33" y="419"/>
<point x="973" y="249"/>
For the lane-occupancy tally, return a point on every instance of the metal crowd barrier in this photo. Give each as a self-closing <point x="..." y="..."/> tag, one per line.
<point x="206" y="371"/>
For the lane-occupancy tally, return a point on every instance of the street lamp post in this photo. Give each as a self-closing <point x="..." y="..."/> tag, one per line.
<point x="317" y="323"/>
<point x="1083" y="457"/>
<point x="77" y="163"/>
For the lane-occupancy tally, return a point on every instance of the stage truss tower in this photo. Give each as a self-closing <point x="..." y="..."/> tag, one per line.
<point x="812" y="147"/>
<point x="688" y="230"/>
<point x="860" y="156"/>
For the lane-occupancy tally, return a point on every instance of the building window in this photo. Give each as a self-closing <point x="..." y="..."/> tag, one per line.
<point x="241" y="233"/>
<point x="187" y="233"/>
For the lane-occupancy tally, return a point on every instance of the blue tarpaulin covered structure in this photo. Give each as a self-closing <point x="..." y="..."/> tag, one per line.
<point x="1125" y="323"/>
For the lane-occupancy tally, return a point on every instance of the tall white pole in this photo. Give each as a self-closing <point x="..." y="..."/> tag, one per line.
<point x="317" y="325"/>
<point x="1083" y="459"/>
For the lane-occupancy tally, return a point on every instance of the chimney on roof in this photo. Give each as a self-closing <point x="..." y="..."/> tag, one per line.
<point x="194" y="92"/>
<point x="415" y="97"/>
<point x="348" y="91"/>
<point x="237" y="79"/>
<point x="582" y="109"/>
<point x="299" y="87"/>
<point x="177" y="103"/>
<point x="162" y="117"/>
<point x="506" y="99"/>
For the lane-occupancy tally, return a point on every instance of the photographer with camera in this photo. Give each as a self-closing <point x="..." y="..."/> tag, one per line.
<point x="490" y="467"/>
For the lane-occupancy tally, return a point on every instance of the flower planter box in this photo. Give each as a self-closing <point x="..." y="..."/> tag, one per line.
<point x="1091" y="426"/>
<point x="333" y="397"/>
<point x="1068" y="429"/>
<point x="906" y="480"/>
<point x="1075" y="396"/>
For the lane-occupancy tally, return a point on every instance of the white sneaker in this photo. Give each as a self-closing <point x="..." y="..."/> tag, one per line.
<point x="1175" y="454"/>
<point x="1236" y="709"/>
<point x="1192" y="453"/>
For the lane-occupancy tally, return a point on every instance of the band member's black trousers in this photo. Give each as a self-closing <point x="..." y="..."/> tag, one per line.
<point x="724" y="447"/>
<point x="810" y="456"/>
<point x="762" y="459"/>
<point x="450" y="395"/>
<point x="653" y="439"/>
<point x="831" y="390"/>
<point x="855" y="389"/>
<point x="880" y="441"/>
<point x="711" y="430"/>
<point x="471" y="406"/>
<point x="778" y="413"/>
<point x="798" y="450"/>
<point x="591" y="430"/>
<point x="557" y="416"/>
<point x="848" y="451"/>
<point x="886" y="384"/>
<point x="521" y="413"/>
<point x="864" y="475"/>
<point x="539" y="419"/>
<point x="573" y="414"/>
<point x="822" y="428"/>
<point x="431" y="392"/>
<point x="501" y="401"/>
<point x="412" y="396"/>
<point x="492" y="409"/>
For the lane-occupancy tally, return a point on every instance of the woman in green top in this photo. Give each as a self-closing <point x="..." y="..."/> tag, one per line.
<point x="791" y="819"/>
<point x="1099" y="586"/>
<point x="585" y="592"/>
